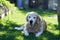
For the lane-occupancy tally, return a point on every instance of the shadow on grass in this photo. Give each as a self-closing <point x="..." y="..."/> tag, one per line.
<point x="45" y="36"/>
<point x="40" y="11"/>
<point x="7" y="31"/>
<point x="11" y="33"/>
<point x="53" y="26"/>
<point x="8" y="25"/>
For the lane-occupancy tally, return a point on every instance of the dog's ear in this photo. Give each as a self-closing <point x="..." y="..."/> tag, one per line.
<point x="38" y="19"/>
<point x="27" y="16"/>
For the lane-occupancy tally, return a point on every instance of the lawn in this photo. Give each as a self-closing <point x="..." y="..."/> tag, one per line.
<point x="17" y="19"/>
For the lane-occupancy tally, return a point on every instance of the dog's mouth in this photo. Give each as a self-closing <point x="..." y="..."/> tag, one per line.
<point x="31" y="22"/>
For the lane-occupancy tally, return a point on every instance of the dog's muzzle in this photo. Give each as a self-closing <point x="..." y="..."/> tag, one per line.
<point x="31" y="22"/>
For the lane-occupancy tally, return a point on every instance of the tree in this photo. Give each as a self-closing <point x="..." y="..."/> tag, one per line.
<point x="58" y="10"/>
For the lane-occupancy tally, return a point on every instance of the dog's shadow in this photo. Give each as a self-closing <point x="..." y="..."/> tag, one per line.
<point x="30" y="37"/>
<point x="45" y="36"/>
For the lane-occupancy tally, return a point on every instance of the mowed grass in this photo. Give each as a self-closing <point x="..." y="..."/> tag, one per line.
<point x="18" y="17"/>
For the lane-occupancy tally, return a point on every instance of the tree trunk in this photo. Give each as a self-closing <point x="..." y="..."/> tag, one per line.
<point x="58" y="10"/>
<point x="59" y="17"/>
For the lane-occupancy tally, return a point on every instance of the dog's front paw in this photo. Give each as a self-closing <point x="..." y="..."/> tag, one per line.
<point x="36" y="35"/>
<point x="19" y="28"/>
<point x="26" y="34"/>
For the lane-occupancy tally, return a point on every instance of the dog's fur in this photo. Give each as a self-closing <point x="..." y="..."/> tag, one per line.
<point x="37" y="27"/>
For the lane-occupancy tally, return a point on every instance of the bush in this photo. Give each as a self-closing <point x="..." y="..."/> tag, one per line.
<point x="7" y="3"/>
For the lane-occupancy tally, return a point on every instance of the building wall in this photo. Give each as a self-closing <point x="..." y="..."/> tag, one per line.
<point x="40" y="4"/>
<point x="26" y="3"/>
<point x="52" y="4"/>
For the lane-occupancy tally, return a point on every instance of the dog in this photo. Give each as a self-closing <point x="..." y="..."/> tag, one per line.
<point x="35" y="24"/>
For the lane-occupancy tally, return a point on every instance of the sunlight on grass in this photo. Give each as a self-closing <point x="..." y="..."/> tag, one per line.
<point x="2" y="32"/>
<point x="44" y="38"/>
<point x="55" y="32"/>
<point x="19" y="38"/>
<point x="18" y="18"/>
<point x="52" y="24"/>
<point x="51" y="19"/>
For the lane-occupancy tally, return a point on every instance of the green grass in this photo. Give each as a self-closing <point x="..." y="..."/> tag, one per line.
<point x="7" y="31"/>
<point x="18" y="18"/>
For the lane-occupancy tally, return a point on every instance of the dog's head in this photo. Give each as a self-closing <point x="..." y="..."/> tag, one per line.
<point x="32" y="18"/>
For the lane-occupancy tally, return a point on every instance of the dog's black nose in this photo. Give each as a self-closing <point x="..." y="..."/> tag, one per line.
<point x="31" y="22"/>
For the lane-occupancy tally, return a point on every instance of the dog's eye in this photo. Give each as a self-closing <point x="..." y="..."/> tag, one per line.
<point x="29" y="16"/>
<point x="34" y="17"/>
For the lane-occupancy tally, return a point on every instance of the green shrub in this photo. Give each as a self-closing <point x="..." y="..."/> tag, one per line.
<point x="7" y="3"/>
